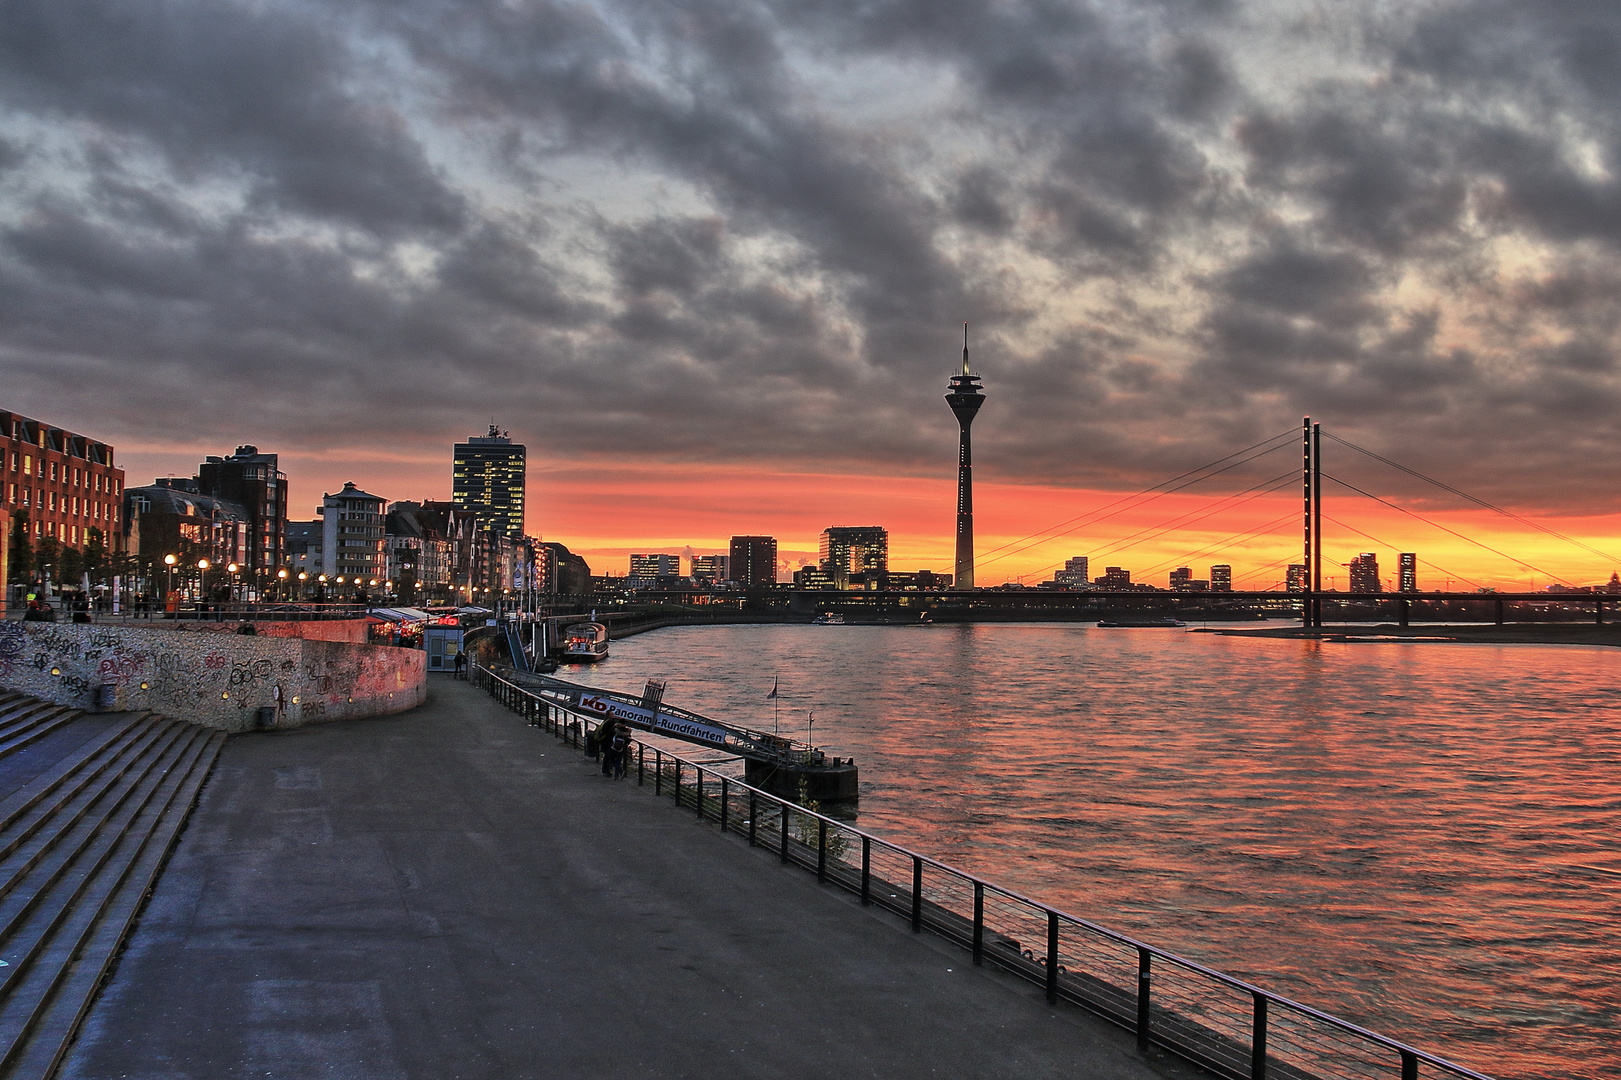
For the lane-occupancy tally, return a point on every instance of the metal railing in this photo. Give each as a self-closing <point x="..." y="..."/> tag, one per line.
<point x="1226" y="1025"/>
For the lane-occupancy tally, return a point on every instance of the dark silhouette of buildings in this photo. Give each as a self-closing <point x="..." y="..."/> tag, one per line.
<point x="847" y="550"/>
<point x="1221" y="578"/>
<point x="754" y="560"/>
<point x="965" y="398"/>
<point x="252" y="481"/>
<point x="1365" y="573"/>
<point x="1408" y="568"/>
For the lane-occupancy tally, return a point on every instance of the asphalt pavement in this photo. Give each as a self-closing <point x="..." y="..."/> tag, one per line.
<point x="450" y="893"/>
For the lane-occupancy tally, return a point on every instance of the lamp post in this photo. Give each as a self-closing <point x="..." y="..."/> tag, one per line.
<point x="202" y="569"/>
<point x="233" y="568"/>
<point x="168" y="571"/>
<point x="302" y="578"/>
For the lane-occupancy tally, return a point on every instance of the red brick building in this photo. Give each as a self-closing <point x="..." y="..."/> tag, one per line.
<point x="66" y="483"/>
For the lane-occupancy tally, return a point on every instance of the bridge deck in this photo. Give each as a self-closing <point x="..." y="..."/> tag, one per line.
<point x="450" y="893"/>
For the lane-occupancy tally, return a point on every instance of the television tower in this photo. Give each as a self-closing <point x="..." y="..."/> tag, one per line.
<point x="965" y="398"/>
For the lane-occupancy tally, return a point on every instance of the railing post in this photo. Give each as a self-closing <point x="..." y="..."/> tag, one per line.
<point x="677" y="778"/>
<point x="725" y="797"/>
<point x="979" y="923"/>
<point x="917" y="894"/>
<point x="1145" y="960"/>
<point x="658" y="772"/>
<point x="1409" y="1065"/>
<point x="783" y="808"/>
<point x="1258" y="1039"/>
<point x="754" y="815"/>
<point x="1052" y="957"/>
<point x="866" y="871"/>
<point x="698" y="790"/>
<point x="821" y="850"/>
<point x="641" y="764"/>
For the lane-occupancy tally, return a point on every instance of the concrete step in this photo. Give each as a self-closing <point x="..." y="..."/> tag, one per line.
<point x="34" y="726"/>
<point x="34" y="834"/>
<point x="82" y="841"/>
<point x="58" y="1014"/>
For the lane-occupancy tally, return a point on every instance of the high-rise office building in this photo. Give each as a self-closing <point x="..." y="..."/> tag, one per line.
<point x="655" y="566"/>
<point x="1408" y="581"/>
<point x="1180" y="578"/>
<point x="1115" y="577"/>
<point x="1221" y="578"/>
<point x="1074" y="575"/>
<point x="1365" y="573"/>
<point x="1296" y="580"/>
<point x="855" y="549"/>
<point x="488" y="479"/>
<point x="754" y="560"/>
<point x="711" y="568"/>
<point x="252" y="481"/>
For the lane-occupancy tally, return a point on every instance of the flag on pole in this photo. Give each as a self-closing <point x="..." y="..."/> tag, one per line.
<point x="773" y="688"/>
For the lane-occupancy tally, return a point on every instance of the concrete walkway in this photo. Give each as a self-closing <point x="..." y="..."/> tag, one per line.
<point x="449" y="893"/>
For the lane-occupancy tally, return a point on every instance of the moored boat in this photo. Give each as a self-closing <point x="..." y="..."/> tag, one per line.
<point x="828" y="618"/>
<point x="584" y="643"/>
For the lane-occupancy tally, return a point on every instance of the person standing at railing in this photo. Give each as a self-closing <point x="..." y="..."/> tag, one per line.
<point x="619" y="748"/>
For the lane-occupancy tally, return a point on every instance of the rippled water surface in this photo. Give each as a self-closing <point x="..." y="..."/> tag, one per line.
<point x="1423" y="838"/>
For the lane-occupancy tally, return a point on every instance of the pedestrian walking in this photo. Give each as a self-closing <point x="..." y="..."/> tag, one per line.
<point x="620" y="746"/>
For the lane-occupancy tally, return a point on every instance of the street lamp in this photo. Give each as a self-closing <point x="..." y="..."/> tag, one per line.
<point x="202" y="568"/>
<point x="232" y="568"/>
<point x="281" y="584"/>
<point x="168" y="570"/>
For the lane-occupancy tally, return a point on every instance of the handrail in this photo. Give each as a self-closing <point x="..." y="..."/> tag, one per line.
<point x="1167" y="1034"/>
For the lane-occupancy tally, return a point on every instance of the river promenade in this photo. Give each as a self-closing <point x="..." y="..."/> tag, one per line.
<point x="449" y="893"/>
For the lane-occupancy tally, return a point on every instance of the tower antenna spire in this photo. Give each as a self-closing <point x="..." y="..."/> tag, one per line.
<point x="965" y="348"/>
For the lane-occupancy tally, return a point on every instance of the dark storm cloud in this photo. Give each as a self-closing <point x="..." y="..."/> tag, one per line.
<point x="720" y="230"/>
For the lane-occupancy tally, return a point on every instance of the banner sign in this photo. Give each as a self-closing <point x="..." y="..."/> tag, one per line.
<point x="663" y="724"/>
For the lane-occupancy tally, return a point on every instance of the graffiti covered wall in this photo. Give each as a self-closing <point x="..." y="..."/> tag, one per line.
<point x="220" y="680"/>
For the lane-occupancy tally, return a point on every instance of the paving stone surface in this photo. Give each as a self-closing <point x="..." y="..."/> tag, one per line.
<point x="449" y="893"/>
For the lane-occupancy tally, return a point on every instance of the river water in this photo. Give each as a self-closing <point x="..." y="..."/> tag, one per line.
<point x="1423" y="838"/>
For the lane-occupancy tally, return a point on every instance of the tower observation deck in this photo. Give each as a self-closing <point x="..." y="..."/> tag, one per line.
<point x="965" y="398"/>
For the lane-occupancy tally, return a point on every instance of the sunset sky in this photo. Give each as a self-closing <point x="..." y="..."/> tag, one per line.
<point x="711" y="260"/>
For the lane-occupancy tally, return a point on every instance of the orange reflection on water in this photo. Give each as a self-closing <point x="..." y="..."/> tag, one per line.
<point x="1424" y="839"/>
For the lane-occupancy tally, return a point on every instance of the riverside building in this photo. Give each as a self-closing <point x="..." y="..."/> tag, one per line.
<point x="352" y="545"/>
<point x="1407" y="563"/>
<point x="252" y="481"/>
<point x="1365" y="573"/>
<point x="855" y="549"/>
<point x="1074" y="574"/>
<point x="66" y="483"/>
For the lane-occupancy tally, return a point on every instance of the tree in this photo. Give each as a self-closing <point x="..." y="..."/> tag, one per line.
<point x="95" y="555"/>
<point x="71" y="565"/>
<point x="47" y="556"/>
<point x="22" y="549"/>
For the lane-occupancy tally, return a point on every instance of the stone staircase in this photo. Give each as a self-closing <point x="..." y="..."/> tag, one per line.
<point x="90" y="807"/>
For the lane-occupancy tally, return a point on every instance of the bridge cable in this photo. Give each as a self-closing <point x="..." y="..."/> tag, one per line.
<point x="1235" y="538"/>
<point x="1443" y="528"/>
<point x="1443" y="571"/>
<point x="1471" y="498"/>
<point x="984" y="561"/>
<point x="1187" y="518"/>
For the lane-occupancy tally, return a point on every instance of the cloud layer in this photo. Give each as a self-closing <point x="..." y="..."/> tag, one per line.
<point x="749" y="232"/>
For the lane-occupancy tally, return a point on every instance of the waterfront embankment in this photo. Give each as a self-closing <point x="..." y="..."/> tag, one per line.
<point x="449" y="893"/>
<point x="1561" y="633"/>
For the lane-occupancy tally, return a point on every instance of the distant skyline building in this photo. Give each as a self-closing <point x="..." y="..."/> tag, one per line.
<point x="855" y="549"/>
<point x="1407" y="568"/>
<point x="965" y="398"/>
<point x="1115" y="577"/>
<point x="1365" y="573"/>
<point x="488" y="477"/>
<point x="655" y="566"/>
<point x="1296" y="579"/>
<point x="1221" y="578"/>
<point x="1181" y="578"/>
<point x="711" y="568"/>
<point x="754" y="560"/>
<point x="1075" y="574"/>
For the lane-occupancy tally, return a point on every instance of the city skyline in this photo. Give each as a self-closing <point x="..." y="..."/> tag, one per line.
<point x="730" y="256"/>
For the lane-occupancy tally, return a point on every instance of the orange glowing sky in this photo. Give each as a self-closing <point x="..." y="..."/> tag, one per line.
<point x="606" y="510"/>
